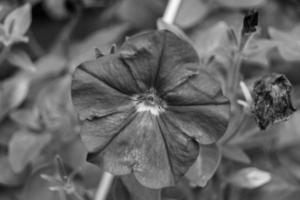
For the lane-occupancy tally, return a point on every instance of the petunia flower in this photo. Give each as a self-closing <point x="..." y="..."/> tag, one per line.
<point x="147" y="108"/>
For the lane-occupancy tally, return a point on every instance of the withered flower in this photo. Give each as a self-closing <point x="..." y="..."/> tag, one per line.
<point x="272" y="100"/>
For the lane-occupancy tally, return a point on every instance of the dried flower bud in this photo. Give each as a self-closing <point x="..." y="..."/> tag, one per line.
<point x="250" y="22"/>
<point x="272" y="100"/>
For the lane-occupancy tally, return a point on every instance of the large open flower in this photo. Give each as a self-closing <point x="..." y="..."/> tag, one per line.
<point x="147" y="107"/>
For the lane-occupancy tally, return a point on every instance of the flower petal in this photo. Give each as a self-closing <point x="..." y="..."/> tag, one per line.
<point x="137" y="148"/>
<point x="95" y="138"/>
<point x="152" y="149"/>
<point x="94" y="98"/>
<point x="154" y="55"/>
<point x="141" y="54"/>
<point x="204" y="123"/>
<point x="182" y="149"/>
<point x="198" y="107"/>
<point x="110" y="70"/>
<point x="178" y="60"/>
<point x="199" y="89"/>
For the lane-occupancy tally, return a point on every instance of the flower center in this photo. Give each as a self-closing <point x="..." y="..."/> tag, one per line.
<point x="150" y="102"/>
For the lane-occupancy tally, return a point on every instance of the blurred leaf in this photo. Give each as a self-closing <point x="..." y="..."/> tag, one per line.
<point x="289" y="132"/>
<point x="139" y="13"/>
<point x="241" y="3"/>
<point x="258" y="51"/>
<point x="16" y="25"/>
<point x="205" y="166"/>
<point x="250" y="178"/>
<point x="102" y="39"/>
<point x="36" y="187"/>
<point x="288" y="43"/>
<point x="289" y="158"/>
<point x="7" y="176"/>
<point x="21" y="59"/>
<point x="25" y="147"/>
<point x="216" y="47"/>
<point x="235" y="153"/>
<point x="27" y="118"/>
<point x="56" y="8"/>
<point x="13" y="92"/>
<point x="218" y="40"/>
<point x="191" y="12"/>
<point x="54" y="104"/>
<point x="277" y="189"/>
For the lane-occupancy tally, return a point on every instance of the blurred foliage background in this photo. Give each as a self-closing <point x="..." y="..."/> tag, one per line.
<point x="41" y="44"/>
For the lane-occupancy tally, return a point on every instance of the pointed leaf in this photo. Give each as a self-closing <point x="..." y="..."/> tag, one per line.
<point x="25" y="147"/>
<point x="22" y="60"/>
<point x="236" y="154"/>
<point x="18" y="21"/>
<point x="191" y="12"/>
<point x="7" y="176"/>
<point x="288" y="43"/>
<point x="250" y="178"/>
<point x="13" y="92"/>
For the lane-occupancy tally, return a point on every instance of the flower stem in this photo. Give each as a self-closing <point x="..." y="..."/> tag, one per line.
<point x="171" y="11"/>
<point x="104" y="186"/>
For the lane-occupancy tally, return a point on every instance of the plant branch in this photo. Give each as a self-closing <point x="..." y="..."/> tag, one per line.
<point x="104" y="186"/>
<point x="171" y="11"/>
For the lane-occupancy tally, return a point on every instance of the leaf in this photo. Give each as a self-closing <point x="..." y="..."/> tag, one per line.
<point x="216" y="46"/>
<point x="36" y="187"/>
<point x="218" y="40"/>
<point x="54" y="104"/>
<point x="139" y="13"/>
<point x="258" y="51"/>
<point x="25" y="147"/>
<point x="56" y="8"/>
<point x="13" y="92"/>
<point x="235" y="153"/>
<point x="277" y="189"/>
<point x="291" y="130"/>
<point x="249" y="178"/>
<point x="145" y="108"/>
<point x="22" y="60"/>
<point x="7" y="176"/>
<point x="241" y="3"/>
<point x="288" y="43"/>
<point x="27" y="118"/>
<point x="205" y="166"/>
<point x="191" y="12"/>
<point x="18" y="22"/>
<point x="102" y="39"/>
